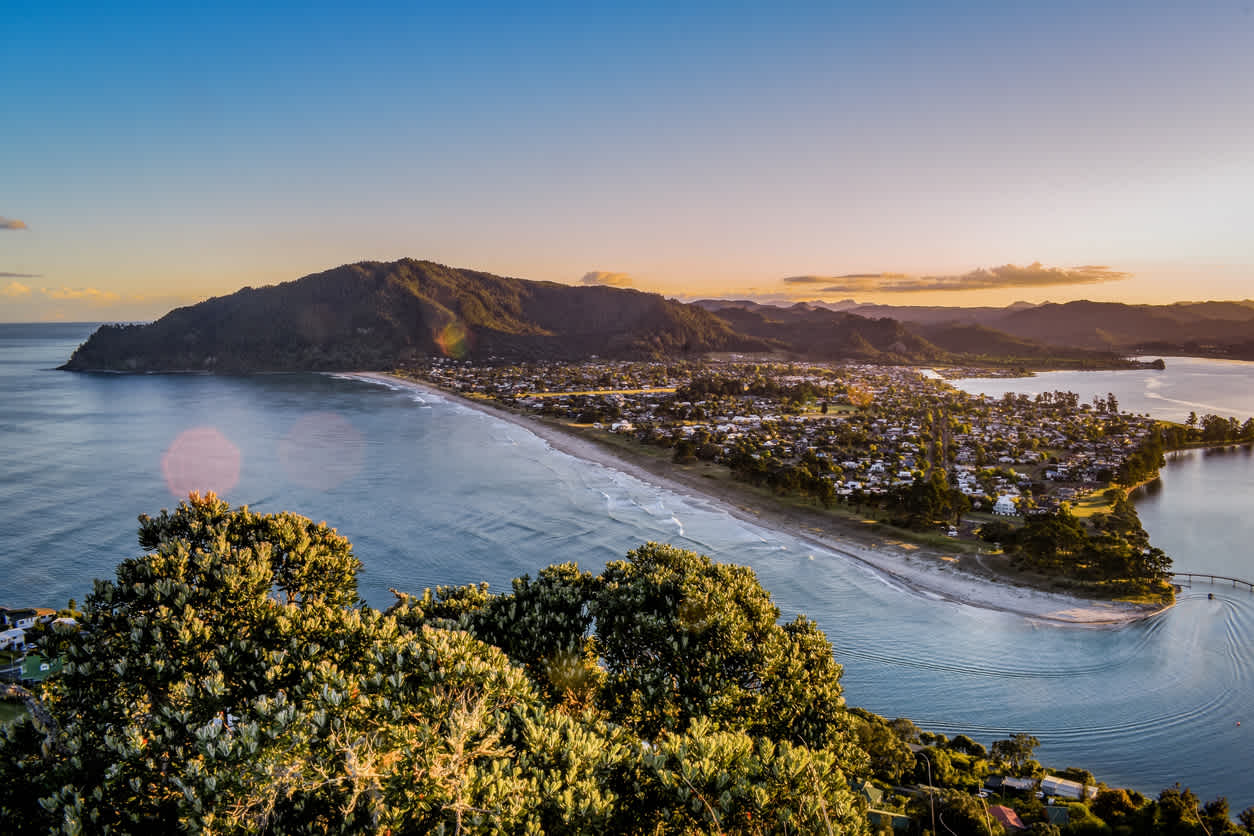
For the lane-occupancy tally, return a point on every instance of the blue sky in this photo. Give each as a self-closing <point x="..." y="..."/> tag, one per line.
<point x="152" y="156"/>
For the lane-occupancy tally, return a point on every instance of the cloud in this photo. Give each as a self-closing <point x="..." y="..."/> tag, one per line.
<point x="12" y="223"/>
<point x="19" y="275"/>
<point x="14" y="289"/>
<point x="1005" y="276"/>
<point x="89" y="294"/>
<point x="600" y="277"/>
<point x="828" y="280"/>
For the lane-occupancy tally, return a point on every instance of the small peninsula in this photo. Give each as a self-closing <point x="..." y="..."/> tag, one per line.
<point x="932" y="559"/>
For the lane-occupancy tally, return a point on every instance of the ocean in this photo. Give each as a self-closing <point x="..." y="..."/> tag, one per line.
<point x="431" y="492"/>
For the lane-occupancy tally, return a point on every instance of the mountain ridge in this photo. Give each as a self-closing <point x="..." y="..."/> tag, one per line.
<point x="381" y="315"/>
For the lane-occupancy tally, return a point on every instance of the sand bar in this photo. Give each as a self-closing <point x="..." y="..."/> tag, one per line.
<point x="929" y="575"/>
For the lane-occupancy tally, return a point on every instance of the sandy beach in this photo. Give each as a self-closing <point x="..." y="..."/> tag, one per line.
<point x="929" y="575"/>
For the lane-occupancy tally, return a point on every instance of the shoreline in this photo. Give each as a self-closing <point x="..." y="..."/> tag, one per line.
<point x="925" y="574"/>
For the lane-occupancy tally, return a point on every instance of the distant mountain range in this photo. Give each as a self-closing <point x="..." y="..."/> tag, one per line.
<point x="1224" y="329"/>
<point x="375" y="315"/>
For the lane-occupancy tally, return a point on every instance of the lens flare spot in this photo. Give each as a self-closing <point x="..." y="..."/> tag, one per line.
<point x="321" y="451"/>
<point x="201" y="459"/>
<point x="454" y="340"/>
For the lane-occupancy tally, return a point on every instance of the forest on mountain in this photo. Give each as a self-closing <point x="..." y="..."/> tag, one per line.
<point x="375" y="315"/>
<point x="1210" y="329"/>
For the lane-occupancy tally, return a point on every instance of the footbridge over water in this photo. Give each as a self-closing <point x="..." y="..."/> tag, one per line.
<point x="1236" y="582"/>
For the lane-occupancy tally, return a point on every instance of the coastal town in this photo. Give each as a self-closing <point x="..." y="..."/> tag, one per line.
<point x="850" y="434"/>
<point x="1029" y="491"/>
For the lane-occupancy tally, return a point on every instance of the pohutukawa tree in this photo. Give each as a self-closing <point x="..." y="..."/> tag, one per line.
<point x="229" y="680"/>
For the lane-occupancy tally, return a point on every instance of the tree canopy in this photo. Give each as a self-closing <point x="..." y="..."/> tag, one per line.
<point x="229" y="680"/>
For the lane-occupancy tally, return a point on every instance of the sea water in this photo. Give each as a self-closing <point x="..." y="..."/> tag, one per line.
<point x="431" y="492"/>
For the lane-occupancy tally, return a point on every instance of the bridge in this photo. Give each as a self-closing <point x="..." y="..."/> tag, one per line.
<point x="1236" y="582"/>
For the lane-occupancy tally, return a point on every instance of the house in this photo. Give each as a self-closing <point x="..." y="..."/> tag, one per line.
<point x="1005" y="506"/>
<point x="35" y="668"/>
<point x="1009" y="818"/>
<point x="13" y="639"/>
<point x="1063" y="788"/>
<point x="1001" y="783"/>
<point x="27" y="617"/>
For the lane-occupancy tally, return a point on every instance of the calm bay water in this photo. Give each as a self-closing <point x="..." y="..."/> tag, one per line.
<point x="433" y="493"/>
<point x="1187" y="384"/>
<point x="1199" y="510"/>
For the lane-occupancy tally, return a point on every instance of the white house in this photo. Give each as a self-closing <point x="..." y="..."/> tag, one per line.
<point x="1062" y="788"/>
<point x="1005" y="506"/>
<point x="13" y="639"/>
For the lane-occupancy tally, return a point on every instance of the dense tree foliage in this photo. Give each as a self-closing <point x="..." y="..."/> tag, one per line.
<point x="229" y="681"/>
<point x="1110" y="549"/>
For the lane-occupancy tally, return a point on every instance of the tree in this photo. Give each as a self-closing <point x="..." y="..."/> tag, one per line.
<point x="682" y="637"/>
<point x="891" y="757"/>
<point x="965" y="815"/>
<point x="966" y="745"/>
<point x="1016" y="751"/>
<point x="229" y="681"/>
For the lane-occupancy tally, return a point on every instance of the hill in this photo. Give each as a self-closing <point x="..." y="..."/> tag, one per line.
<point x="380" y="315"/>
<point x="374" y="315"/>
<point x="824" y="334"/>
<point x="1220" y="329"/>
<point x="819" y="332"/>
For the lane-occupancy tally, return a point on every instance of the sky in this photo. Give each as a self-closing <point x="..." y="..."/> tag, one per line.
<point x="901" y="152"/>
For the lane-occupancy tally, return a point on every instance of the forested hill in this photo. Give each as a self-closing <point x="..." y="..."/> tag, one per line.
<point x="1217" y="329"/>
<point x="378" y="315"/>
<point x="820" y="333"/>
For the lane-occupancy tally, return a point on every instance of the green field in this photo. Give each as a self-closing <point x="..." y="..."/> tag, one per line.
<point x="10" y="711"/>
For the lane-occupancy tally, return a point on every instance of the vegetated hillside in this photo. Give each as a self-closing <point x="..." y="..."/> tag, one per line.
<point x="823" y="334"/>
<point x="376" y="315"/>
<point x="1115" y="325"/>
<point x="1212" y="328"/>
<point x="979" y="340"/>
<point x="929" y="314"/>
<point x="818" y="332"/>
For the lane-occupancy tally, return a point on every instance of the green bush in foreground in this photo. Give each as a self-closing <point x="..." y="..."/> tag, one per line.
<point x="230" y="681"/>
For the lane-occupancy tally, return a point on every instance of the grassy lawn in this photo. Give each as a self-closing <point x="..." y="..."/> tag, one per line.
<point x="1090" y="504"/>
<point x="10" y="711"/>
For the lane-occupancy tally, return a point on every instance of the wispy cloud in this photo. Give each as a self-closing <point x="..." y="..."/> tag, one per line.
<point x="845" y="277"/>
<point x="1005" y="276"/>
<point x="601" y="277"/>
<point x="14" y="289"/>
<point x="19" y="275"/>
<point x="12" y="223"/>
<point x="90" y="294"/>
